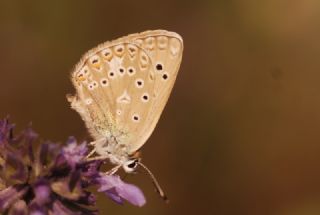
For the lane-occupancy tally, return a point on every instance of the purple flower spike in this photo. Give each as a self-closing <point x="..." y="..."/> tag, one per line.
<point x="73" y="152"/>
<point x="40" y="178"/>
<point x="118" y="190"/>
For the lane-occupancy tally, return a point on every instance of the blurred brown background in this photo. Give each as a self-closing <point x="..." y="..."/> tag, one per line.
<point x="241" y="132"/>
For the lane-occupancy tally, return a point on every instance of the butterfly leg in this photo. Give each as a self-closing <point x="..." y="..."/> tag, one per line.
<point x="93" y="143"/>
<point x="96" y="158"/>
<point x="91" y="153"/>
<point x="113" y="170"/>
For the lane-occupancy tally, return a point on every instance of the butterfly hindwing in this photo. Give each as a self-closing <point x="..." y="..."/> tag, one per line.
<point x="165" y="51"/>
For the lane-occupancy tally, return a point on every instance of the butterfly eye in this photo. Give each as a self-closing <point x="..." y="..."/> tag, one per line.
<point x="130" y="166"/>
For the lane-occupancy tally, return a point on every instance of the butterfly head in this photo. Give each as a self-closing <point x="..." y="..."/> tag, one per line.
<point x="132" y="163"/>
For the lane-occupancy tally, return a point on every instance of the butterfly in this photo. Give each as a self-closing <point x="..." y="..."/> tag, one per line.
<point x="122" y="87"/>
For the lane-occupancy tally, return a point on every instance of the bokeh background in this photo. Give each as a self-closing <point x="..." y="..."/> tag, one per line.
<point x="241" y="132"/>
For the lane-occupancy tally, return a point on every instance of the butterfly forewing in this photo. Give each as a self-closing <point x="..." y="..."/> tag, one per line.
<point x="122" y="86"/>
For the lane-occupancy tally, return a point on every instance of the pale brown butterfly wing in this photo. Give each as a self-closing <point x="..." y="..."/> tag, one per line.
<point x="165" y="50"/>
<point x="121" y="91"/>
<point x="107" y="81"/>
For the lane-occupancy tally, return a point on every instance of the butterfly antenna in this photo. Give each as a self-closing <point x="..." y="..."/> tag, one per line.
<point x="155" y="183"/>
